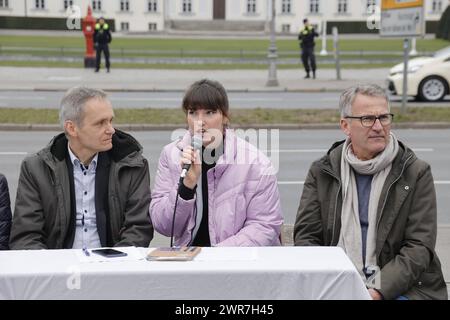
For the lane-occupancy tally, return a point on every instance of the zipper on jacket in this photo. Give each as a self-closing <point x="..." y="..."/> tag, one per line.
<point x="195" y="222"/>
<point x="335" y="204"/>
<point x="210" y="212"/>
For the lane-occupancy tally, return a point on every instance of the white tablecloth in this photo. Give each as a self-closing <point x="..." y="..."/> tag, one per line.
<point x="216" y="273"/>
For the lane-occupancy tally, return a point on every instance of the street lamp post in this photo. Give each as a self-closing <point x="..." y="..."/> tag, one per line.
<point x="324" y="52"/>
<point x="272" y="54"/>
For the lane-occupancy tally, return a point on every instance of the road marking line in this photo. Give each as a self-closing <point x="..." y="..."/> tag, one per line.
<point x="22" y="98"/>
<point x="423" y="149"/>
<point x="64" y="78"/>
<point x="440" y="182"/>
<point x="256" y="99"/>
<point x="295" y="150"/>
<point x="291" y="182"/>
<point x="144" y="99"/>
<point x="325" y="150"/>
<point x="13" y="153"/>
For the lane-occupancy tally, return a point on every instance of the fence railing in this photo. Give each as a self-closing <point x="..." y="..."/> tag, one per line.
<point x="183" y="53"/>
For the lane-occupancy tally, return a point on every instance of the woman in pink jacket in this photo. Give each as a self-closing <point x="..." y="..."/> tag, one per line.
<point x="229" y="196"/>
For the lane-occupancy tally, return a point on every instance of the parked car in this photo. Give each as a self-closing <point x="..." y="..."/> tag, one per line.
<point x="428" y="77"/>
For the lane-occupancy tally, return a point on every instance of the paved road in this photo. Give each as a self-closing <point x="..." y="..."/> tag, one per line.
<point x="172" y="99"/>
<point x="51" y="79"/>
<point x="286" y="100"/>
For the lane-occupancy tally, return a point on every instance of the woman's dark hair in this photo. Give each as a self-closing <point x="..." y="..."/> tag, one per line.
<point x="206" y="94"/>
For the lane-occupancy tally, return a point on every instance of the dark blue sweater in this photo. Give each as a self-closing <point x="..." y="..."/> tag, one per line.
<point x="364" y="185"/>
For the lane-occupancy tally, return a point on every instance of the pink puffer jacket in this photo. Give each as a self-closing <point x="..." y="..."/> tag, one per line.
<point x="243" y="204"/>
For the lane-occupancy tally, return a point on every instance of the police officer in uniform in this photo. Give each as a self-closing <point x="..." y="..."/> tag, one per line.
<point x="306" y="38"/>
<point x="102" y="37"/>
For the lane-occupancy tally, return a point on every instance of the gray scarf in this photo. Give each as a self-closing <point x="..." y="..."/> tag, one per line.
<point x="350" y="238"/>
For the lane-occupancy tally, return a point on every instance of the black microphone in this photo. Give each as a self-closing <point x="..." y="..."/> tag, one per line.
<point x="196" y="144"/>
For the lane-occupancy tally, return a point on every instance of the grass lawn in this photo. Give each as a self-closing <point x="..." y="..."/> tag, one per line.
<point x="217" y="45"/>
<point x="45" y="46"/>
<point x="238" y="116"/>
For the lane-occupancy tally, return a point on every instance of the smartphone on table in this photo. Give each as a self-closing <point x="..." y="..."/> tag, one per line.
<point x="109" y="253"/>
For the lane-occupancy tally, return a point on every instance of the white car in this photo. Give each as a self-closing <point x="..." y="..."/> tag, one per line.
<point x="428" y="77"/>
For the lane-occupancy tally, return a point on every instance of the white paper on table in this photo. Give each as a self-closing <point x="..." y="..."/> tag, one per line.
<point x="227" y="254"/>
<point x="133" y="254"/>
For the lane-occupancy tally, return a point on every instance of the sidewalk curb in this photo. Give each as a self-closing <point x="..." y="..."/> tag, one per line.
<point x="166" y="127"/>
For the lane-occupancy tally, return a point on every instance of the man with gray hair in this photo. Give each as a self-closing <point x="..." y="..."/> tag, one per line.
<point x="372" y="196"/>
<point x="90" y="187"/>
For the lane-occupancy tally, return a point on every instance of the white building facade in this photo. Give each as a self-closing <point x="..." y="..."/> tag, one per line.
<point x="163" y="15"/>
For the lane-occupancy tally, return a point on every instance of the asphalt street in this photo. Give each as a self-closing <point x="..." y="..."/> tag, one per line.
<point x="172" y="99"/>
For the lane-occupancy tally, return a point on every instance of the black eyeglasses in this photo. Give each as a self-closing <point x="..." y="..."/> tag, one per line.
<point x="369" y="121"/>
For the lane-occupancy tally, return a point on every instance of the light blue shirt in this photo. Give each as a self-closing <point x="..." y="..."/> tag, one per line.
<point x="86" y="234"/>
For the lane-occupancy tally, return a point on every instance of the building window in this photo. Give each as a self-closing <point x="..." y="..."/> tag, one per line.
<point x="124" y="5"/>
<point x="313" y="6"/>
<point x="187" y="6"/>
<point x="342" y="6"/>
<point x="251" y="6"/>
<point x="152" y="27"/>
<point x="4" y="4"/>
<point x="152" y="6"/>
<point x="97" y="5"/>
<point x="286" y="28"/>
<point x="40" y="4"/>
<point x="371" y="6"/>
<point x="124" y="26"/>
<point x="286" y="6"/>
<point x="436" y="6"/>
<point x="67" y="4"/>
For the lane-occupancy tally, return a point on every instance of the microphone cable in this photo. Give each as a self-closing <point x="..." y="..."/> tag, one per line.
<point x="174" y="211"/>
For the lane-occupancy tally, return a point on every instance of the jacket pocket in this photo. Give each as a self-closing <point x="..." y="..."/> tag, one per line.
<point x="240" y="213"/>
<point x="228" y="220"/>
<point x="116" y="217"/>
<point x="430" y="285"/>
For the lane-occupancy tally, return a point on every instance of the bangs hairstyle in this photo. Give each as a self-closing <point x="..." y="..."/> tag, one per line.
<point x="206" y="94"/>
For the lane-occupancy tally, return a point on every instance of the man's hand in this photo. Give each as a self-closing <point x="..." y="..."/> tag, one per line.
<point x="375" y="294"/>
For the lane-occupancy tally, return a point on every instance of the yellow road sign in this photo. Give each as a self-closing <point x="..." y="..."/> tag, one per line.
<point x="399" y="4"/>
<point x="402" y="18"/>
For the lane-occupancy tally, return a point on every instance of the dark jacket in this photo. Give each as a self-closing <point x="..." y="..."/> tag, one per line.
<point x="5" y="213"/>
<point x="102" y="34"/>
<point x="406" y="230"/>
<point x="306" y="37"/>
<point x="44" y="216"/>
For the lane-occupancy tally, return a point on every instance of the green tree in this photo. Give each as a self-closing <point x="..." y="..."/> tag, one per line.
<point x="443" y="30"/>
